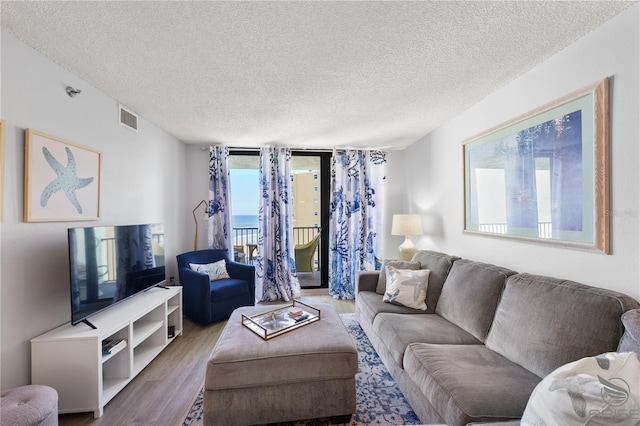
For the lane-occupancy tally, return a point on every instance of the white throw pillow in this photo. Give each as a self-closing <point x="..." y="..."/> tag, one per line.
<point x="398" y="264"/>
<point x="407" y="287"/>
<point x="216" y="270"/>
<point x="602" y="390"/>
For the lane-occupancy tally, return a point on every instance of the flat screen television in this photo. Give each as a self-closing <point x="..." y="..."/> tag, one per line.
<point x="108" y="264"/>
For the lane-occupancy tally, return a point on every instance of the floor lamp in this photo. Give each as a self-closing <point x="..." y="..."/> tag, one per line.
<point x="407" y="225"/>
<point x="206" y="212"/>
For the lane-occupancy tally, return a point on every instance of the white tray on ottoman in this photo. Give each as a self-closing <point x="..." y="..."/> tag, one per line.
<point x="304" y="374"/>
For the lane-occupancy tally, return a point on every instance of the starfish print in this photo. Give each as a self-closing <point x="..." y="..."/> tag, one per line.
<point x="417" y="284"/>
<point x="66" y="181"/>
<point x="576" y="387"/>
<point x="393" y="296"/>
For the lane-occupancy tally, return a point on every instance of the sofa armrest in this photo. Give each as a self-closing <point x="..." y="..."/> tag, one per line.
<point x="366" y="281"/>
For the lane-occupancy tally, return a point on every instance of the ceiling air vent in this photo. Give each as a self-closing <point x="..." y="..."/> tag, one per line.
<point x="128" y="118"/>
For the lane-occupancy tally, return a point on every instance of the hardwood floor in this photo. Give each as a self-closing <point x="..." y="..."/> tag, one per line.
<point x="162" y="393"/>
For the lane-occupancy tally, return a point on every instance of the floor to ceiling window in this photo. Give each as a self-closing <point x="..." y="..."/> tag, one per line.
<point x="310" y="179"/>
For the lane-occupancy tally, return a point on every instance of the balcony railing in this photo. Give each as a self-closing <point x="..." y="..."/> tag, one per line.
<point x="301" y="235"/>
<point x="245" y="240"/>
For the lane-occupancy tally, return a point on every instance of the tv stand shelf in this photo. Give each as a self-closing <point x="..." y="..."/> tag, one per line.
<point x="70" y="359"/>
<point x="144" y="329"/>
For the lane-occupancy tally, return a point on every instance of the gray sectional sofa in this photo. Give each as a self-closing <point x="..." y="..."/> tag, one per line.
<point x="488" y="337"/>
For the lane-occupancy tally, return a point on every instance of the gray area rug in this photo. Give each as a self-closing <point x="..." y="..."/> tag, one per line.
<point x="378" y="399"/>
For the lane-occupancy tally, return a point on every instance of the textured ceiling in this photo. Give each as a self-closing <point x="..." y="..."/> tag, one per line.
<point x="301" y="74"/>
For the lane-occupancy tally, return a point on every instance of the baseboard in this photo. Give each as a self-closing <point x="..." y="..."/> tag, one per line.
<point x="314" y="291"/>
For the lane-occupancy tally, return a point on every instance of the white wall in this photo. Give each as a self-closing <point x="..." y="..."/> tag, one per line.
<point x="396" y="197"/>
<point x="142" y="181"/>
<point x="197" y="190"/>
<point x="433" y="166"/>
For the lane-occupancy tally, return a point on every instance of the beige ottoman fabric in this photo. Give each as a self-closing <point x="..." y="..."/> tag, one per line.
<point x="307" y="373"/>
<point x="29" y="405"/>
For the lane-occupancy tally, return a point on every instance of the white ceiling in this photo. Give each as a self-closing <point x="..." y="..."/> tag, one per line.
<point x="304" y="74"/>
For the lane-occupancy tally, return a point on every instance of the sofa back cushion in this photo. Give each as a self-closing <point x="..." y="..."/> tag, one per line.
<point x="470" y="295"/>
<point x="542" y="323"/>
<point x="381" y="288"/>
<point x="439" y="265"/>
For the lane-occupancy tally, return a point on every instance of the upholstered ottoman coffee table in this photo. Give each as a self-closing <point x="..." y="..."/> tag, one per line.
<point x="306" y="373"/>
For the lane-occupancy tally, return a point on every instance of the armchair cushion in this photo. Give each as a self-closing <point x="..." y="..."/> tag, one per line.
<point x="228" y="289"/>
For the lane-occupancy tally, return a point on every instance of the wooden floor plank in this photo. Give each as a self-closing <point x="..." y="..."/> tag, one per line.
<point x="162" y="393"/>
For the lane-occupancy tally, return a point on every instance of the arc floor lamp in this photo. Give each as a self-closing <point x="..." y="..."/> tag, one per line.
<point x="206" y="212"/>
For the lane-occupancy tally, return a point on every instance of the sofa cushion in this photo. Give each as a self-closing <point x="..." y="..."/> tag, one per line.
<point x="469" y="383"/>
<point x="406" y="287"/>
<point x="439" y="265"/>
<point x="370" y="304"/>
<point x="397" y="331"/>
<point x="470" y="295"/>
<point x="542" y="323"/>
<point x="381" y="288"/>
<point x="630" y="341"/>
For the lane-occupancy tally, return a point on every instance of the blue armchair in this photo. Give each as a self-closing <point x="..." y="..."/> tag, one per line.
<point x="208" y="301"/>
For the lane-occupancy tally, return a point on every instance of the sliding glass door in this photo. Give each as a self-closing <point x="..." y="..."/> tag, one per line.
<point x="310" y="182"/>
<point x="310" y="218"/>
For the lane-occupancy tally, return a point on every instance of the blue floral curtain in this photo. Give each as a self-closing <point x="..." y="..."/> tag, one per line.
<point x="355" y="218"/>
<point x="275" y="264"/>
<point x="219" y="220"/>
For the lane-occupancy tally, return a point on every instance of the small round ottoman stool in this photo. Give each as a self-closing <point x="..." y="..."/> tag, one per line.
<point x="29" y="405"/>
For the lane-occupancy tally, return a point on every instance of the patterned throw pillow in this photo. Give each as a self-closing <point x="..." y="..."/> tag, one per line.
<point x="398" y="264"/>
<point x="600" y="390"/>
<point x="216" y="270"/>
<point x="407" y="287"/>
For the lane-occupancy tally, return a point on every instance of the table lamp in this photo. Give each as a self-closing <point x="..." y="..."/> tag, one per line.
<point x="407" y="225"/>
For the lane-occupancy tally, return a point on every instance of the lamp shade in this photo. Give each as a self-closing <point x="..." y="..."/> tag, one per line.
<point x="406" y="224"/>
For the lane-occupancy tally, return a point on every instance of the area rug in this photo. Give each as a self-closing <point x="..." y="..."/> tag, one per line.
<point x="378" y="399"/>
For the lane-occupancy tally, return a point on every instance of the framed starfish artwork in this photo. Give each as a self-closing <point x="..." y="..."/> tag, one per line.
<point x="61" y="180"/>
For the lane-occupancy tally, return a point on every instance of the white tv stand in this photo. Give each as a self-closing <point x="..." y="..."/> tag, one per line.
<point x="70" y="359"/>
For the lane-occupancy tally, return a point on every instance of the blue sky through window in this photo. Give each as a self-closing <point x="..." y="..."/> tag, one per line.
<point x="244" y="190"/>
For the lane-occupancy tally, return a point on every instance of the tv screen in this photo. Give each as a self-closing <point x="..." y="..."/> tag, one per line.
<point x="108" y="264"/>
